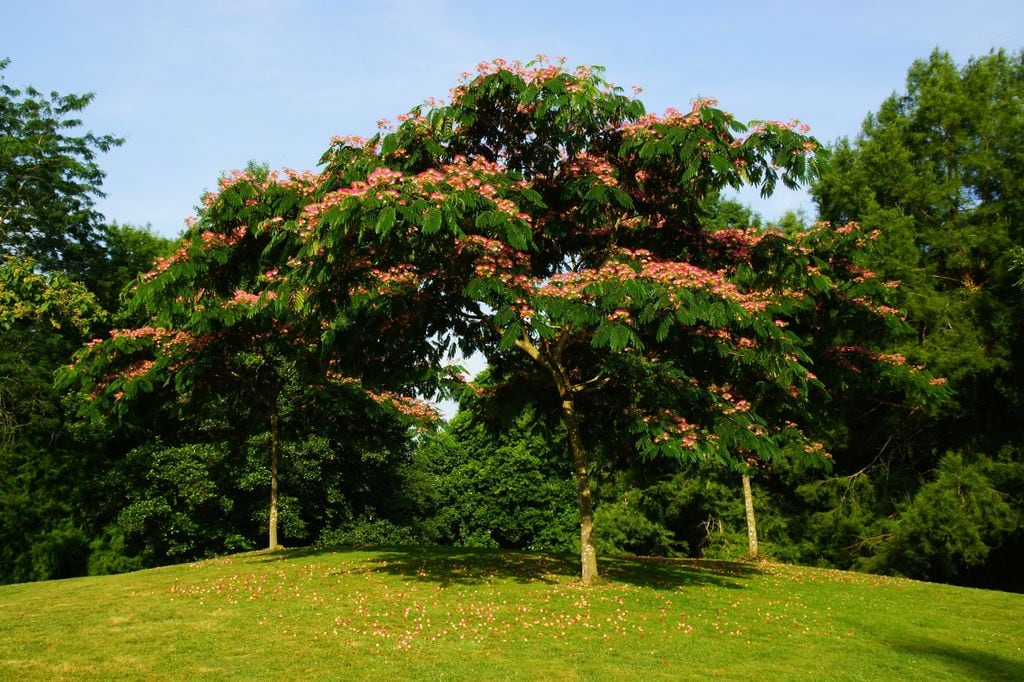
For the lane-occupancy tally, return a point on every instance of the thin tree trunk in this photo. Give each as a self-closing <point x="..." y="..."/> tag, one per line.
<point x="748" y="504"/>
<point x="588" y="552"/>
<point x="274" y="454"/>
<point x="550" y="358"/>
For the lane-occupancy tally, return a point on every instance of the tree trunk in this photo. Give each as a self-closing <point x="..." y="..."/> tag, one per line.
<point x="274" y="453"/>
<point x="549" y="357"/>
<point x="748" y="504"/>
<point x="588" y="552"/>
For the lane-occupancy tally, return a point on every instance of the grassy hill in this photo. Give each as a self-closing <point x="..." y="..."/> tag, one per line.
<point x="443" y="614"/>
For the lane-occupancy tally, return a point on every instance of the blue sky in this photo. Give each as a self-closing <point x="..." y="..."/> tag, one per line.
<point x="200" y="87"/>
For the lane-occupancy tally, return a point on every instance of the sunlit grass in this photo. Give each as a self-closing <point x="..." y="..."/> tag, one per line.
<point x="456" y="614"/>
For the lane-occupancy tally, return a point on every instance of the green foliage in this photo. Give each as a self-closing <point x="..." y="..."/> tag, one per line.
<point x="43" y="317"/>
<point x="953" y="522"/>
<point x="127" y="252"/>
<point x="793" y="222"/>
<point x="937" y="172"/>
<point x="61" y="266"/>
<point x="499" y="486"/>
<point x="622" y="529"/>
<point x="192" y="500"/>
<point x="43" y="302"/>
<point x="49" y="179"/>
<point x="722" y="214"/>
<point x="367" y="530"/>
<point x="175" y="512"/>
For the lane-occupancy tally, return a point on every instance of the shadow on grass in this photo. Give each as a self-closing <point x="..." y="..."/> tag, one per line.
<point x="668" y="574"/>
<point x="970" y="663"/>
<point x="471" y="566"/>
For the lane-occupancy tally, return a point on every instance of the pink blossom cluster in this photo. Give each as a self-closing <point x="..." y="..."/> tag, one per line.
<point x="675" y="275"/>
<point x="414" y="116"/>
<point x="473" y="175"/>
<point x="494" y="257"/>
<point x="686" y="275"/>
<point x="304" y="182"/>
<point x="395" y="279"/>
<point x="792" y="124"/>
<point x="354" y="141"/>
<point x="340" y="379"/>
<point x="242" y="297"/>
<point x="212" y="240"/>
<point x="586" y="165"/>
<point x="206" y="239"/>
<point x="738" y="406"/>
<point x="523" y="309"/>
<point x="875" y="307"/>
<point x="161" y="264"/>
<point x="232" y="178"/>
<point x="725" y="335"/>
<point x="407" y="405"/>
<point x="379" y="185"/>
<point x="673" y="426"/>
<point x="140" y="368"/>
<point x="733" y="404"/>
<point x="816" y="448"/>
<point x="539" y="70"/>
<point x="860" y="275"/>
<point x="620" y="315"/>
<point x="739" y="241"/>
<point x="160" y="336"/>
<point x="894" y="359"/>
<point x="646" y="124"/>
<point x="385" y="184"/>
<point x="713" y="333"/>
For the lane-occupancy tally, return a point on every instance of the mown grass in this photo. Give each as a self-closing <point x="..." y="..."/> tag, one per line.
<point x="443" y="614"/>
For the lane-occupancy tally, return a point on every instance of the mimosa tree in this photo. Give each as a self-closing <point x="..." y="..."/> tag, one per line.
<point x="543" y="212"/>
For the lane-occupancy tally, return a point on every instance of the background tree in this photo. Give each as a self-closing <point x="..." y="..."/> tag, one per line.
<point x="128" y="251"/>
<point x="49" y="179"/>
<point x="43" y="318"/>
<point x="499" y="478"/>
<point x="937" y="171"/>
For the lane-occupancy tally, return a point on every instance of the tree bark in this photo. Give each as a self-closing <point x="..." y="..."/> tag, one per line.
<point x="274" y="454"/>
<point x="748" y="504"/>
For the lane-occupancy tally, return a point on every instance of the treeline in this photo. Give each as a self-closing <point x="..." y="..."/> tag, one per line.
<point x="653" y="349"/>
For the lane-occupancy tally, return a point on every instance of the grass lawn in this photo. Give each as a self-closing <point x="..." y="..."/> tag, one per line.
<point x="450" y="614"/>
